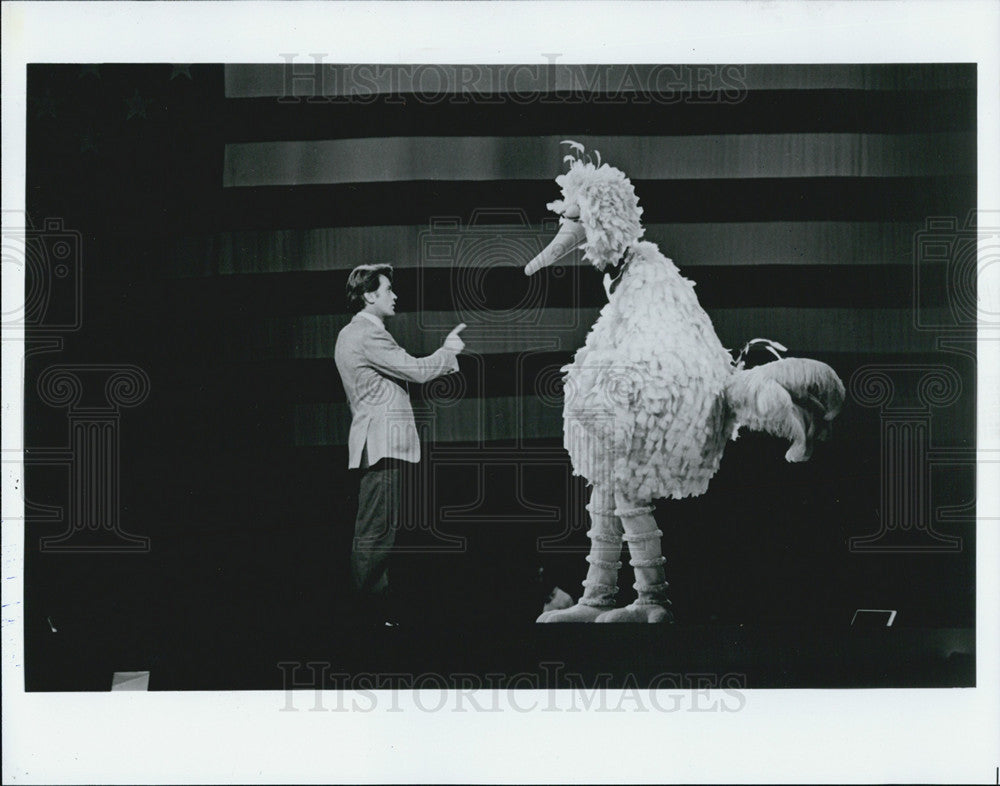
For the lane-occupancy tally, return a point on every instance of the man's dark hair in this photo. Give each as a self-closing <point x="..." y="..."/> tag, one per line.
<point x="364" y="278"/>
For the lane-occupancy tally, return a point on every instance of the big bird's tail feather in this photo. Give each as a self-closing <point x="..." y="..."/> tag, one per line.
<point x="793" y="398"/>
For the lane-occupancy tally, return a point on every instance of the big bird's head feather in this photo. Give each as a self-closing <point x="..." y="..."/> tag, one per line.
<point x="599" y="213"/>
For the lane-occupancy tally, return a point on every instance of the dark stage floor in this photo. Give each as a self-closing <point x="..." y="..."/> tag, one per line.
<point x="239" y="655"/>
<point x="247" y="561"/>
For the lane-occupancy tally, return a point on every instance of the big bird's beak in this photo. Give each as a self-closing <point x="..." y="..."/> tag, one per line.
<point x="571" y="234"/>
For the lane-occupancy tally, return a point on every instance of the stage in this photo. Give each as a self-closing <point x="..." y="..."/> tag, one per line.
<point x="246" y="571"/>
<point x="188" y="507"/>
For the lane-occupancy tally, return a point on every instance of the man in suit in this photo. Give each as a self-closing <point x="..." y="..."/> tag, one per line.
<point x="374" y="370"/>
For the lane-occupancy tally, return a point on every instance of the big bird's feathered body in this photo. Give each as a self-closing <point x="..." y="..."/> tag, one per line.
<point x="647" y="390"/>
<point x="653" y="397"/>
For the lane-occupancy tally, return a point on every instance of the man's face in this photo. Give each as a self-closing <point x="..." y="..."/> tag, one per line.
<point x="382" y="302"/>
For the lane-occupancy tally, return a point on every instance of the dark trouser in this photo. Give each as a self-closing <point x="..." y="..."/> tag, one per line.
<point x="375" y="531"/>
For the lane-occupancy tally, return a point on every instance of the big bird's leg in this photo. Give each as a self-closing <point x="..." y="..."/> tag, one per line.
<point x="601" y="583"/>
<point x="647" y="559"/>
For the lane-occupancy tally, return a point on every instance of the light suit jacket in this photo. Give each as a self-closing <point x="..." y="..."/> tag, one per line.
<point x="370" y="363"/>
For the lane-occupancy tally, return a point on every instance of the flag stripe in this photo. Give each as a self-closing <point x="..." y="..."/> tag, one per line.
<point x="731" y="156"/>
<point x="858" y="243"/>
<point x="513" y="374"/>
<point x="455" y="414"/>
<point x="462" y="419"/>
<point x="803" y="330"/>
<point x="756" y="112"/>
<point x="302" y="77"/>
<point x="496" y="284"/>
<point x="681" y="201"/>
<point x="247" y="430"/>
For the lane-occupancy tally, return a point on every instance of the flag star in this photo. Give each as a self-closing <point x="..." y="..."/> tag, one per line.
<point x="89" y="70"/>
<point x="87" y="143"/>
<point x="45" y="105"/>
<point x="180" y="70"/>
<point x="137" y="105"/>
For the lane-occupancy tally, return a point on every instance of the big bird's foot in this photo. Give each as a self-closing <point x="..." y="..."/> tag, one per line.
<point x="581" y="612"/>
<point x="638" y="613"/>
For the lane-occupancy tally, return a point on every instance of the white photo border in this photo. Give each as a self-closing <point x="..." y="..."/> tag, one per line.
<point x="920" y="735"/>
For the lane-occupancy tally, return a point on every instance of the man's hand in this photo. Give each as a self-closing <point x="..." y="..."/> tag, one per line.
<point x="453" y="342"/>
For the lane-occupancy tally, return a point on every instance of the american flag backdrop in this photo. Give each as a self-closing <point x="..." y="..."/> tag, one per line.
<point x="792" y="196"/>
<point x="219" y="209"/>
